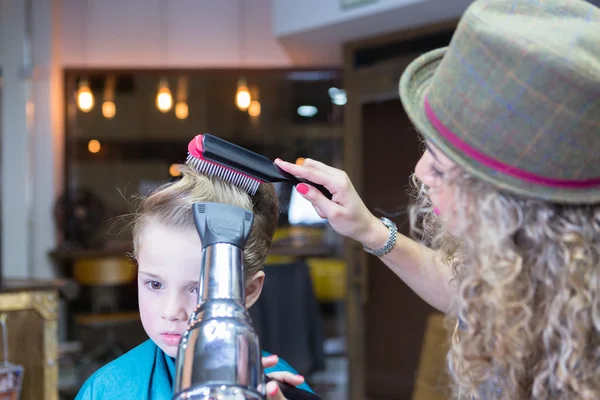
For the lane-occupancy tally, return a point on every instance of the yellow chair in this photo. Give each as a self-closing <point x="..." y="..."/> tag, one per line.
<point x="104" y="271"/>
<point x="103" y="276"/>
<point x="329" y="278"/>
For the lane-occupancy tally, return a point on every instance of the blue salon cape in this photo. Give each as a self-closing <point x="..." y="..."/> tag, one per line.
<point x="145" y="372"/>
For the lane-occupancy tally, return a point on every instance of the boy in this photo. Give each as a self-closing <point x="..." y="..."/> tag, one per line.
<point x="168" y="251"/>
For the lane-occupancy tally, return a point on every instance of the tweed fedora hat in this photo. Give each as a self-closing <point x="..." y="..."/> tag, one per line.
<point x="515" y="98"/>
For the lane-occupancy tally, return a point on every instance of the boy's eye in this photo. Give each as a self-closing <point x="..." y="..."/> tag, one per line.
<point x="194" y="289"/>
<point x="154" y="285"/>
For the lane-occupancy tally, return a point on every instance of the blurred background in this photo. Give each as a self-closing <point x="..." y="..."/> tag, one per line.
<point x="98" y="100"/>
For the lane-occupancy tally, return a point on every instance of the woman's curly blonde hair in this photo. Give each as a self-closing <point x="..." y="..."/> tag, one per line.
<point x="528" y="293"/>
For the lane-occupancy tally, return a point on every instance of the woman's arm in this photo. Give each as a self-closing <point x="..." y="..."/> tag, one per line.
<point x="421" y="268"/>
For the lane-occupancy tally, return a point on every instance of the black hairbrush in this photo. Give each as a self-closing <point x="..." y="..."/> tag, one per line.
<point x="213" y="156"/>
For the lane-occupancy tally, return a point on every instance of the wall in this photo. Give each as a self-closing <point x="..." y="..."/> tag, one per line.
<point x="199" y="34"/>
<point x="32" y="136"/>
<point x="15" y="159"/>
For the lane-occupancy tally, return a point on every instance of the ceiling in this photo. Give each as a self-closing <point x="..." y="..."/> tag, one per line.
<point x="322" y="45"/>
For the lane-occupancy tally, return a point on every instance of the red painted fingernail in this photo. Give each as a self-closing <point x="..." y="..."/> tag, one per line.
<point x="302" y="188"/>
<point x="273" y="391"/>
<point x="436" y="211"/>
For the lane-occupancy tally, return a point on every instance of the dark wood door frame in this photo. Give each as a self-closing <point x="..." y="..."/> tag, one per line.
<point x="378" y="82"/>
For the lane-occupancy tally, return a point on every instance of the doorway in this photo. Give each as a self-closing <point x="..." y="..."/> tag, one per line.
<point x="386" y="320"/>
<point x="395" y="317"/>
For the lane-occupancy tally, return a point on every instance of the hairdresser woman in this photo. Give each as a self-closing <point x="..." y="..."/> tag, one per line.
<point x="510" y="196"/>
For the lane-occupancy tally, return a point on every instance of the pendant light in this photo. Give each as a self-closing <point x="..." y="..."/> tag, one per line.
<point x="181" y="107"/>
<point x="242" y="95"/>
<point x="108" y="107"/>
<point x="164" y="98"/>
<point x="254" y="108"/>
<point x="85" y="97"/>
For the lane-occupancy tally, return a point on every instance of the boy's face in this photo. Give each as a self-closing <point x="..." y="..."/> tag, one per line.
<point x="169" y="270"/>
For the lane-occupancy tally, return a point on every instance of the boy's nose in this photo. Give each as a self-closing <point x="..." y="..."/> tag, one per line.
<point x="173" y="309"/>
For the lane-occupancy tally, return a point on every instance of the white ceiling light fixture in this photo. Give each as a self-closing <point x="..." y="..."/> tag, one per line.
<point x="338" y="96"/>
<point x="307" y="111"/>
<point x="340" y="99"/>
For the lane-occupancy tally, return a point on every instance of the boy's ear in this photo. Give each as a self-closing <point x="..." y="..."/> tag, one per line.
<point x="254" y="286"/>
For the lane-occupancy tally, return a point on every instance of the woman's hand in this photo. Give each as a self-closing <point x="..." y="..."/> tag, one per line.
<point x="273" y="391"/>
<point x="346" y="212"/>
<point x="421" y="268"/>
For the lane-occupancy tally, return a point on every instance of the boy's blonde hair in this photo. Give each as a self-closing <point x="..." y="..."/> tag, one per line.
<point x="171" y="205"/>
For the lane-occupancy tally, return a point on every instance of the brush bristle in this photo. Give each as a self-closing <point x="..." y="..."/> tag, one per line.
<point x="242" y="181"/>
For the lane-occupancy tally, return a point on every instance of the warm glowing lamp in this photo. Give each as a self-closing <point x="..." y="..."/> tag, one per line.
<point x="94" y="146"/>
<point x="242" y="96"/>
<point x="109" y="110"/>
<point x="254" y="109"/>
<point x="85" y="97"/>
<point x="181" y="110"/>
<point x="174" y="170"/>
<point x="164" y="99"/>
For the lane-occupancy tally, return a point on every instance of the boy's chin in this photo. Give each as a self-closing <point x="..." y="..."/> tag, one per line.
<point x="171" y="351"/>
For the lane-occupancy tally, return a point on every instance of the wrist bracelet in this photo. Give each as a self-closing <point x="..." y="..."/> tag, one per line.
<point x="389" y="245"/>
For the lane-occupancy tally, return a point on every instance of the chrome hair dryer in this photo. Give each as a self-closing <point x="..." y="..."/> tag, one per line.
<point x="219" y="355"/>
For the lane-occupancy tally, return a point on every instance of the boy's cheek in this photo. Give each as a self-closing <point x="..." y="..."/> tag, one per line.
<point x="191" y="305"/>
<point x="149" y="306"/>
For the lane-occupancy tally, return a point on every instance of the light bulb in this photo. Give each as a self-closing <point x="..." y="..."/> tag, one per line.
<point x="109" y="109"/>
<point x="164" y="99"/>
<point x="85" y="97"/>
<point x="254" y="108"/>
<point x="307" y="111"/>
<point x="174" y="170"/>
<point x="181" y="110"/>
<point x="94" y="146"/>
<point x="242" y="96"/>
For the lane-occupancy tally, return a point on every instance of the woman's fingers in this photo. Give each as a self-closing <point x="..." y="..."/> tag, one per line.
<point x="346" y="212"/>
<point x="327" y="208"/>
<point x="319" y="212"/>
<point x="271" y="361"/>
<point x="313" y="171"/>
<point x="287" y="377"/>
<point x="273" y="391"/>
